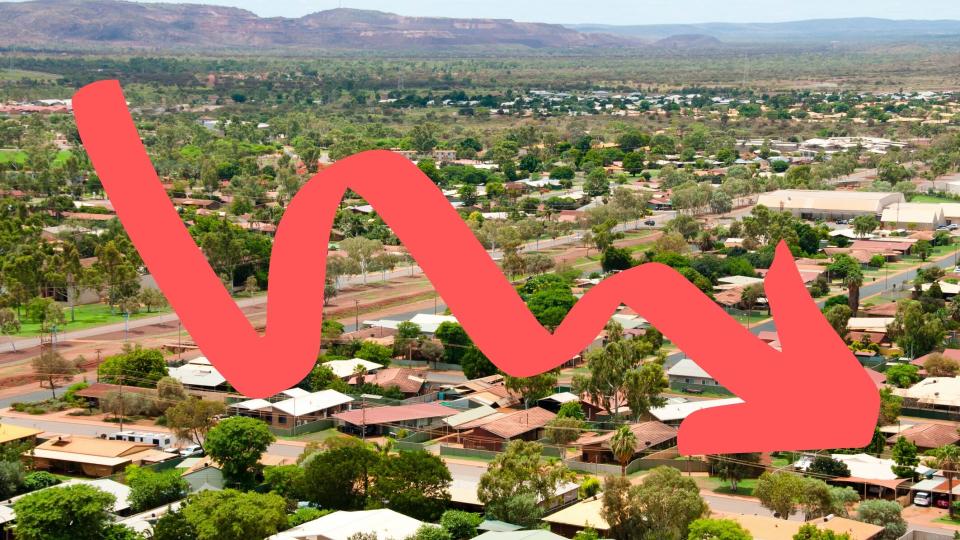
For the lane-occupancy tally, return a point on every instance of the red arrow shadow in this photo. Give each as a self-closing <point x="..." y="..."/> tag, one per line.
<point x="814" y="394"/>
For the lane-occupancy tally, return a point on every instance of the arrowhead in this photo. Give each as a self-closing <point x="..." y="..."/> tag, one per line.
<point x="812" y="395"/>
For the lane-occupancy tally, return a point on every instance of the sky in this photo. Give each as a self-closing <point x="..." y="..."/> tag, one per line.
<point x="620" y="11"/>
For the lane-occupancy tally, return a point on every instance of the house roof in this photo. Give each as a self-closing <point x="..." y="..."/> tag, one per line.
<point x="91" y="446"/>
<point x="497" y="526"/>
<point x="929" y="435"/>
<point x="406" y="380"/>
<point x="396" y="413"/>
<point x="518" y="423"/>
<point x="120" y="491"/>
<point x="198" y="372"/>
<point x="469" y="415"/>
<point x="536" y="534"/>
<point x="648" y="434"/>
<point x="933" y="390"/>
<point x="586" y="513"/>
<point x="679" y="411"/>
<point x="562" y="397"/>
<point x="312" y="402"/>
<point x="687" y="368"/>
<point x="827" y="201"/>
<point x="869" y="324"/>
<point x="10" y="432"/>
<point x="771" y="528"/>
<point x="953" y="354"/>
<point x="919" y="213"/>
<point x="345" y="368"/>
<point x="253" y="404"/>
<point x="341" y="525"/>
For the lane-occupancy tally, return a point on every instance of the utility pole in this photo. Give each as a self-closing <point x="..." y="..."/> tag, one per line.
<point x="356" y="316"/>
<point x="122" y="408"/>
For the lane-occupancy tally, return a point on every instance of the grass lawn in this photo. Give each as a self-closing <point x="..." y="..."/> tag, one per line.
<point x="20" y="157"/>
<point x="946" y="519"/>
<point x="318" y="436"/>
<point x="745" y="487"/>
<point x="86" y="316"/>
<point x="932" y="199"/>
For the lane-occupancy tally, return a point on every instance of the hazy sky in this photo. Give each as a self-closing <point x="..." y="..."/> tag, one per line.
<point x="622" y="11"/>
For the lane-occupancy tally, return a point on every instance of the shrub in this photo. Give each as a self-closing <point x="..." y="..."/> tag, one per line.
<point x="39" y="480"/>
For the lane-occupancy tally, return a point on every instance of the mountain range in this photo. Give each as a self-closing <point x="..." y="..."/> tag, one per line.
<point x="125" y="25"/>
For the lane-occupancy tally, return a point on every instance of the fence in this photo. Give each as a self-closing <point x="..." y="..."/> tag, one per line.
<point x="438" y="366"/>
<point x="469" y="453"/>
<point x="302" y="429"/>
<point x="923" y="535"/>
<point x="414" y="442"/>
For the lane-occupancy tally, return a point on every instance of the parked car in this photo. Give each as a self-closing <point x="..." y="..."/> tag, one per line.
<point x="953" y="226"/>
<point x="191" y="451"/>
<point x="649" y="223"/>
<point x="922" y="498"/>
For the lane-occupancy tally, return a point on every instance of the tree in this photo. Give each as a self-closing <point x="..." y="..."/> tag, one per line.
<point x="285" y="480"/>
<point x="532" y="388"/>
<point x="134" y="367"/>
<point x="571" y="409"/>
<point x="361" y="251"/>
<point x="423" y="138"/>
<point x="564" y="430"/>
<point x="884" y="514"/>
<point x="717" y="529"/>
<point x="864" y="225"/>
<point x="735" y="467"/>
<point x="193" y="418"/>
<point x="455" y="341"/>
<point x="905" y="458"/>
<point x="780" y="492"/>
<point x="235" y="515"/>
<point x="903" y="375"/>
<point x="596" y="183"/>
<point x="551" y="305"/>
<point x="51" y="367"/>
<point x="11" y="478"/>
<point x="614" y="258"/>
<point x="237" y="443"/>
<point x="461" y="525"/>
<point x="516" y="480"/>
<point x="153" y="299"/>
<point x="340" y="477"/>
<point x="914" y="330"/>
<point x="170" y="392"/>
<point x="429" y="531"/>
<point x="890" y="405"/>
<point x="947" y="459"/>
<point x="9" y="325"/>
<point x="922" y="249"/>
<point x="838" y="316"/>
<point x="663" y="506"/>
<point x="827" y="466"/>
<point x="475" y="364"/>
<point x="151" y="489"/>
<point x="809" y="531"/>
<point x="938" y="365"/>
<point x="415" y="484"/>
<point x="77" y="512"/>
<point x="623" y="445"/>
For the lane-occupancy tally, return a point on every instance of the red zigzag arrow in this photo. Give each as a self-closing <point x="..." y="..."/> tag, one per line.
<point x="814" y="394"/>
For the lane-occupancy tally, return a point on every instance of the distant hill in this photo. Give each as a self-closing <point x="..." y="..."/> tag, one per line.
<point x="114" y="24"/>
<point x="688" y="41"/>
<point x="822" y="30"/>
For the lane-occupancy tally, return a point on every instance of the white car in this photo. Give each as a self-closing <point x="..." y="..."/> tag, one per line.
<point x="922" y="498"/>
<point x="192" y="450"/>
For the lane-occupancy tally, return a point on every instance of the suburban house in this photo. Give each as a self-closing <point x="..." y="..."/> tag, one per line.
<point x="829" y="205"/>
<point x="296" y="410"/>
<point x="553" y="402"/>
<point x="341" y="525"/>
<point x="651" y="436"/>
<point x="199" y="374"/>
<point x="933" y="397"/>
<point x="586" y="514"/>
<point x="676" y="411"/>
<point x="408" y="381"/>
<point x="10" y="433"/>
<point x="389" y="419"/>
<point x="346" y="368"/>
<point x="687" y="376"/>
<point x="120" y="492"/>
<point x="96" y="392"/>
<point x="928" y="436"/>
<point x="493" y="433"/>
<point x="91" y="457"/>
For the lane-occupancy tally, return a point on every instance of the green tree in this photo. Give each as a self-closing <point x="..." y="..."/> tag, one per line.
<point x="614" y="258"/>
<point x="571" y="409"/>
<point x="193" y="418"/>
<point x="735" y="467"/>
<point x="596" y="183"/>
<point x="947" y="459"/>
<point x="134" y="367"/>
<point x="717" y="529"/>
<point x="11" y="478"/>
<point x="455" y="341"/>
<point x="9" y="325"/>
<point x="905" y="458"/>
<point x="532" y="388"/>
<point x="827" y="466"/>
<point x="516" y="480"/>
<point x="285" y="480"/>
<point x="780" y="492"/>
<point x="340" y="477"/>
<point x="151" y="489"/>
<point x="623" y="445"/>
<point x="237" y="443"/>
<point x="51" y="367"/>
<point x="864" y="225"/>
<point x="809" y="531"/>
<point x="915" y="331"/>
<point x="885" y="514"/>
<point x="235" y="515"/>
<point x="77" y="512"/>
<point x="903" y="375"/>
<point x="662" y="506"/>
<point x="461" y="525"/>
<point x="415" y="484"/>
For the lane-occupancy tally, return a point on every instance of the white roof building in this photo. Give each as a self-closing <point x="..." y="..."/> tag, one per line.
<point x="687" y="368"/>
<point x="346" y="368"/>
<point x="385" y="524"/>
<point x="823" y="202"/>
<point x="427" y="322"/>
<point x="869" y="324"/>
<point x="311" y="403"/>
<point x="674" y="412"/>
<point x="469" y="415"/>
<point x="933" y="391"/>
<point x="862" y="466"/>
<point x="198" y="372"/>
<point x="120" y="492"/>
<point x="731" y="282"/>
<point x="918" y="214"/>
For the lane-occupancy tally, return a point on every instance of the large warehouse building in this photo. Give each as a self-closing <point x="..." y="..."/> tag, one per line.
<point x="829" y="205"/>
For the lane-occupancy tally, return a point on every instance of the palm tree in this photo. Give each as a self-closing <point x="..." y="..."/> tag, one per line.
<point x="852" y="281"/>
<point x="947" y="459"/>
<point x="624" y="446"/>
